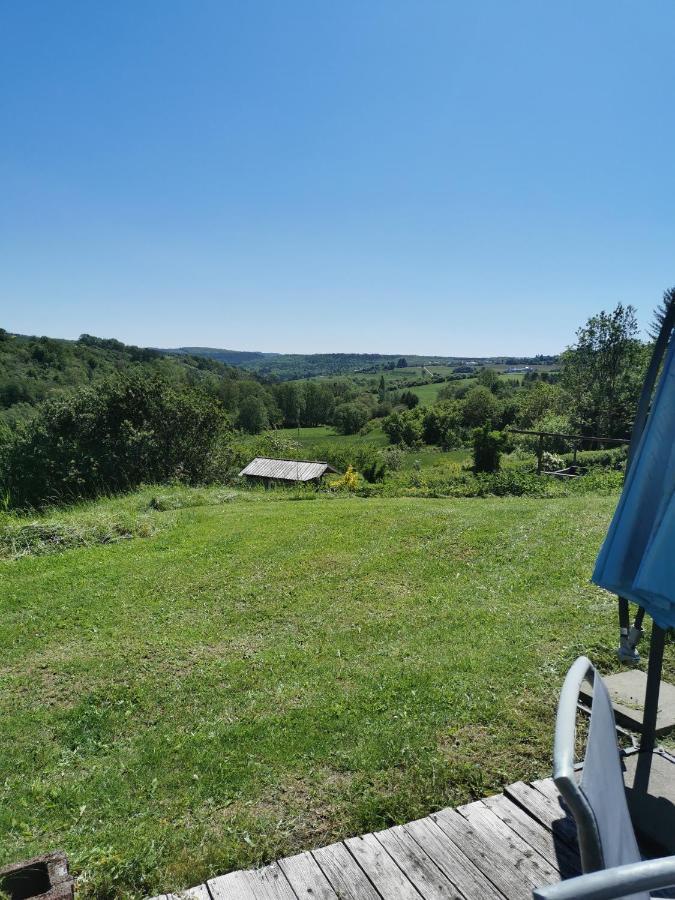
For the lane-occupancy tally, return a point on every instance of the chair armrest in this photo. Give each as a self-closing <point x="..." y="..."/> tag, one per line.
<point x="590" y="846"/>
<point x="609" y="884"/>
<point x="566" y="718"/>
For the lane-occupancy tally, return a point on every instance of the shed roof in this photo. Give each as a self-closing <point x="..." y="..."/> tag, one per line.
<point x="286" y="469"/>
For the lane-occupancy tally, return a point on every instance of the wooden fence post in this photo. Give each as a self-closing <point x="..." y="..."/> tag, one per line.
<point x="540" y="453"/>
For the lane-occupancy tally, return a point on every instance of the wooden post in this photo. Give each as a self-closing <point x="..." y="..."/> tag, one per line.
<point x="540" y="453"/>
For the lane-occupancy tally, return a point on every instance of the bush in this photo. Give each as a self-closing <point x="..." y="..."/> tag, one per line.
<point x="404" y="427"/>
<point x="551" y="463"/>
<point x="441" y="425"/>
<point x="375" y="470"/>
<point x="392" y="456"/>
<point x="349" y="481"/>
<point x="615" y="458"/>
<point x="349" y="418"/>
<point x="481" y="407"/>
<point x="114" y="436"/>
<point x="409" y="399"/>
<point x="487" y="447"/>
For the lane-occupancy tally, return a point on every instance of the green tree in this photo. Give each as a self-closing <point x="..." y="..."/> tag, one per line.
<point x="113" y="436"/>
<point x="410" y="399"/>
<point x="382" y="390"/>
<point x="252" y="416"/>
<point x="603" y="372"/>
<point x="289" y="398"/>
<point x="404" y="428"/>
<point x="318" y="404"/>
<point x="402" y="363"/>
<point x="441" y="425"/>
<point x="488" y="378"/>
<point x="487" y="447"/>
<point x="349" y="418"/>
<point x="538" y="400"/>
<point x="661" y="311"/>
<point x="481" y="407"/>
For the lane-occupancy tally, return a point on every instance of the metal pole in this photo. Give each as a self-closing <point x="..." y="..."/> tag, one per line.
<point x="540" y="453"/>
<point x="651" y="709"/>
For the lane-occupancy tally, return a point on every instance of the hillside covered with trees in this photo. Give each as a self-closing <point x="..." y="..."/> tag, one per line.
<point x="293" y="366"/>
<point x="81" y="418"/>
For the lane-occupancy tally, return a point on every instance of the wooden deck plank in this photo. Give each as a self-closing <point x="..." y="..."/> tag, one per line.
<point x="424" y="874"/>
<point x="494" y="849"/>
<point x="200" y="892"/>
<point x="196" y="893"/>
<point x="233" y="886"/>
<point x="505" y="842"/>
<point x="540" y="807"/>
<point x="495" y="866"/>
<point x="546" y="786"/>
<point x="557" y="852"/>
<point x="306" y="877"/>
<point x="269" y="883"/>
<point x="456" y="866"/>
<point x="343" y="872"/>
<point x="381" y="869"/>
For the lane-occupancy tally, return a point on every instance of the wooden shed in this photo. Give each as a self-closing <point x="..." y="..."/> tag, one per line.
<point x="267" y="470"/>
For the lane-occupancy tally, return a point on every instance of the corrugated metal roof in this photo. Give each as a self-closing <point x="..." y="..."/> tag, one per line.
<point x="286" y="469"/>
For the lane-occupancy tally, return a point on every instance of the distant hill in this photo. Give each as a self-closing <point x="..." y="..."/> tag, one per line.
<point x="287" y="366"/>
<point x="33" y="369"/>
<point x="246" y="358"/>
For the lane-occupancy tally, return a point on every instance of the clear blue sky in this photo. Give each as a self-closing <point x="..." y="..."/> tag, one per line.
<point x="310" y="175"/>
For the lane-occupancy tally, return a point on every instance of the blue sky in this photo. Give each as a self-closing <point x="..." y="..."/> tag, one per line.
<point x="306" y="175"/>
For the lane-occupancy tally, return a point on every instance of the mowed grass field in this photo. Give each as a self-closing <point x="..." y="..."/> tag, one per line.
<point x="322" y="434"/>
<point x="267" y="675"/>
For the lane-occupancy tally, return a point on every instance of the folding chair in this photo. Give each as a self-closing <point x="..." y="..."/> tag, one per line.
<point x="610" y="857"/>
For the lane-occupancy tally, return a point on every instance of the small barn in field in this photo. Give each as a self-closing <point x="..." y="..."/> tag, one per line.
<point x="269" y="471"/>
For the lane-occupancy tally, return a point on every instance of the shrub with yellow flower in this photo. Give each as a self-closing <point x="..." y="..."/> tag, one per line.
<point x="349" y="481"/>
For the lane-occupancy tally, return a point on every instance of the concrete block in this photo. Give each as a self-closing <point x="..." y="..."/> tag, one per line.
<point x="627" y="690"/>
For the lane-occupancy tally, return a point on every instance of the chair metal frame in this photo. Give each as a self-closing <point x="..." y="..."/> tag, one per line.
<point x="614" y="883"/>
<point x="598" y="882"/>
<point x="564" y="775"/>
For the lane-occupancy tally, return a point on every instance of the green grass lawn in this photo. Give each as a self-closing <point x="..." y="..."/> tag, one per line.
<point x="428" y="393"/>
<point x="265" y="675"/>
<point x="433" y="457"/>
<point x="322" y="434"/>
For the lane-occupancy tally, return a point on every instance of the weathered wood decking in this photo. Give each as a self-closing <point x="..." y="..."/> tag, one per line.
<point x="494" y="849"/>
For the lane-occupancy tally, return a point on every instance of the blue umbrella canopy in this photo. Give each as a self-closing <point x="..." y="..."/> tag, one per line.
<point x="637" y="559"/>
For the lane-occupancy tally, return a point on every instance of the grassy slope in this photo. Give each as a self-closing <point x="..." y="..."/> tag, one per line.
<point x="323" y="434"/>
<point x="261" y="677"/>
<point x="36" y="369"/>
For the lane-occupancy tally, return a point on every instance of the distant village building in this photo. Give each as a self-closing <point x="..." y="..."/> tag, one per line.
<point x="266" y="470"/>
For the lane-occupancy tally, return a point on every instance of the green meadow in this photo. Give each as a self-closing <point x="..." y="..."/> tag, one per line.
<point x="208" y="679"/>
<point x="322" y="434"/>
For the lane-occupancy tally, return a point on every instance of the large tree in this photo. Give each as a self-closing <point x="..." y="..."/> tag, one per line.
<point x="481" y="407"/>
<point x="603" y="373"/>
<point x="252" y="415"/>
<point x="661" y="311"/>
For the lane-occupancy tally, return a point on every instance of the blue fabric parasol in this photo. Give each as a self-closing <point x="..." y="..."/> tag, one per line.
<point x="637" y="559"/>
